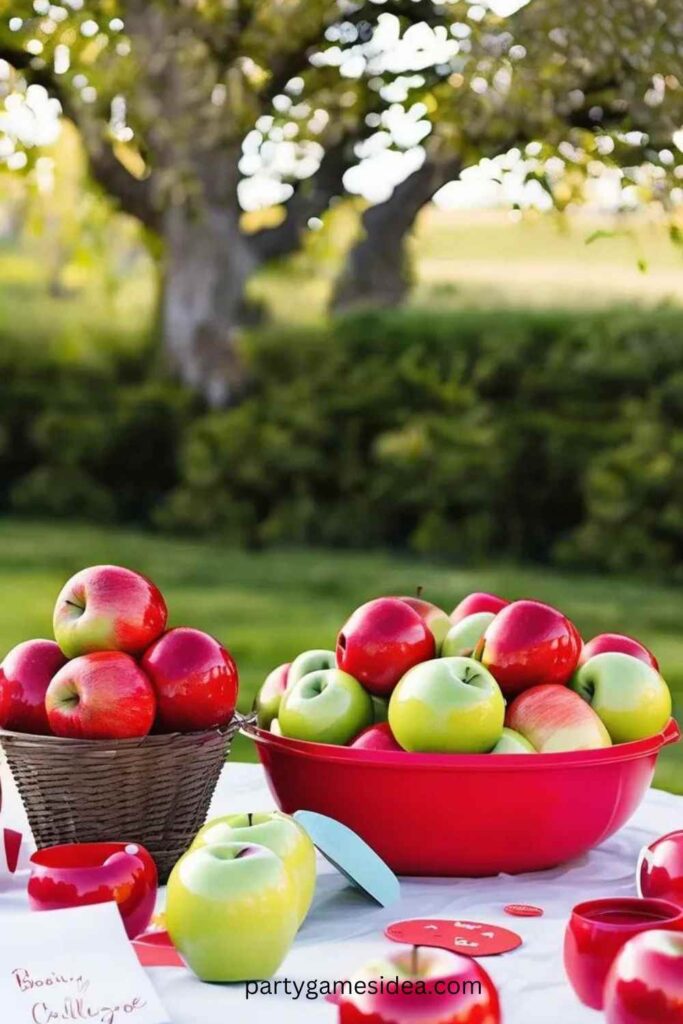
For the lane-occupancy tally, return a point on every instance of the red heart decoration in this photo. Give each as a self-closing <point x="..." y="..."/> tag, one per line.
<point x="473" y="938"/>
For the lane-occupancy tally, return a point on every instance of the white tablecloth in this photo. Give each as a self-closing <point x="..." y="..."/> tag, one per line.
<point x="344" y="930"/>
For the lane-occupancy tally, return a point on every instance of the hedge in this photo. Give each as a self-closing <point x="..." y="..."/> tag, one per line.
<point x="544" y="436"/>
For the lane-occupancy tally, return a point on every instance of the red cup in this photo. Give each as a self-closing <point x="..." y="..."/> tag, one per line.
<point x="80" y="874"/>
<point x="660" y="869"/>
<point x="597" y="930"/>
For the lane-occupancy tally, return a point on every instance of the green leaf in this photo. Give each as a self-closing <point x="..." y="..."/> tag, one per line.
<point x="600" y="234"/>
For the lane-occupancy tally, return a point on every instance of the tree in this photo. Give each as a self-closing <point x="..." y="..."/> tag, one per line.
<point x="166" y="94"/>
<point x="586" y="86"/>
<point x="163" y="95"/>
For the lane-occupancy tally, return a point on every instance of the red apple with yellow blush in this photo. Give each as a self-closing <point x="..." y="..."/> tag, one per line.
<point x="195" y="679"/>
<point x="25" y="674"/>
<point x="381" y="641"/>
<point x="480" y="601"/>
<point x="108" y="608"/>
<point x="529" y="643"/>
<point x="619" y="642"/>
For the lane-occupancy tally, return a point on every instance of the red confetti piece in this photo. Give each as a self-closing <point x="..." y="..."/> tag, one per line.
<point x="523" y="910"/>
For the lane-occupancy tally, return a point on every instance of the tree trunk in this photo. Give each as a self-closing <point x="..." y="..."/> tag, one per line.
<point x="207" y="264"/>
<point x="377" y="271"/>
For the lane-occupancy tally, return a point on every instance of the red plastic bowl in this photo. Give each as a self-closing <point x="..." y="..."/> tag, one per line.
<point x="465" y="814"/>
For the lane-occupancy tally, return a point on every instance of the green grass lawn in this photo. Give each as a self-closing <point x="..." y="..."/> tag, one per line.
<point x="268" y="606"/>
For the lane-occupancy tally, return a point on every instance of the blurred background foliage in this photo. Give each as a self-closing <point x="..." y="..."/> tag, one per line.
<point x="401" y="278"/>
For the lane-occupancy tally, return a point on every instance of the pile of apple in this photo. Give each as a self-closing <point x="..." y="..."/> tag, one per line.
<point x="491" y="677"/>
<point x="113" y="671"/>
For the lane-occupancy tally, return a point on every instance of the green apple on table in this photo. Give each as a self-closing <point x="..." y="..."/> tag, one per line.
<point x="447" y="705"/>
<point x="310" y="661"/>
<point x="462" y="637"/>
<point x="328" y="706"/>
<point x="628" y="695"/>
<point x="277" y="832"/>
<point x="512" y="742"/>
<point x="232" y="911"/>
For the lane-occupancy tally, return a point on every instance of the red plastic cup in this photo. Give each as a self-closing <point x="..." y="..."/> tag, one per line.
<point x="597" y="930"/>
<point x="80" y="874"/>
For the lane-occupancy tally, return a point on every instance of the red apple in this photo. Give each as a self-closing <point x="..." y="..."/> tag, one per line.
<point x="100" y="696"/>
<point x="645" y="982"/>
<point x="195" y="679"/>
<point x="435" y="618"/>
<point x="477" y="602"/>
<point x="267" y="702"/>
<point x="659" y="874"/>
<point x="376" y="737"/>
<point x="381" y="641"/>
<point x="25" y="674"/>
<point x="552" y="719"/>
<point x="529" y="643"/>
<point x="5" y="704"/>
<point x="421" y="986"/>
<point x="617" y="642"/>
<point x="108" y="608"/>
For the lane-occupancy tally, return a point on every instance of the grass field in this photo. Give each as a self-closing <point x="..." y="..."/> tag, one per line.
<point x="269" y="606"/>
<point x="466" y="259"/>
<point x="482" y="258"/>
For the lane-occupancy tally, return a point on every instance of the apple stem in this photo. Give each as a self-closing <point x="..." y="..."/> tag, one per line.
<point x="250" y="817"/>
<point x="413" y="961"/>
<point x="419" y="590"/>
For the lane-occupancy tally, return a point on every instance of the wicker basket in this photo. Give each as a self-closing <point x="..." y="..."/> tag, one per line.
<point x="155" y="790"/>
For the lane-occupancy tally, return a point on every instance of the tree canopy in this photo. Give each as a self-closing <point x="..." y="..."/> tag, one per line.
<point x="192" y="111"/>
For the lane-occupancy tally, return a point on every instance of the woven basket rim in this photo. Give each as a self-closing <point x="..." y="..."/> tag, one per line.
<point x="151" y="739"/>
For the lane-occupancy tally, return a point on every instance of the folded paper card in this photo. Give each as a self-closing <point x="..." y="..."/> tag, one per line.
<point x="73" y="965"/>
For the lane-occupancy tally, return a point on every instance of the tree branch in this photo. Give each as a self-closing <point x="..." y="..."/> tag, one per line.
<point x="135" y="196"/>
<point x="376" y="269"/>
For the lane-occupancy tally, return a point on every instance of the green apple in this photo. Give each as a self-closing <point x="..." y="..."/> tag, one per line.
<point x="329" y="706"/>
<point x="267" y="703"/>
<point x="463" y="637"/>
<point x="279" y="833"/>
<point x="310" y="661"/>
<point x="232" y="911"/>
<point x="628" y="695"/>
<point x="512" y="742"/>
<point x="380" y="708"/>
<point x="447" y="706"/>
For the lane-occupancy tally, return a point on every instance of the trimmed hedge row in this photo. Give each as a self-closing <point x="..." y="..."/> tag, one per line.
<point x="542" y="436"/>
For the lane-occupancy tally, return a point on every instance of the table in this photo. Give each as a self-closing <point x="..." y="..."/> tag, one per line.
<point x="344" y="930"/>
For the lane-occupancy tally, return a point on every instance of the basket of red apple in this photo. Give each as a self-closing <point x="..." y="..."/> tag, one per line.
<point x="117" y="729"/>
<point x="489" y="740"/>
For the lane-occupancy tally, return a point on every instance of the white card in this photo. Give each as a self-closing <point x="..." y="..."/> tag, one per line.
<point x="73" y="965"/>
